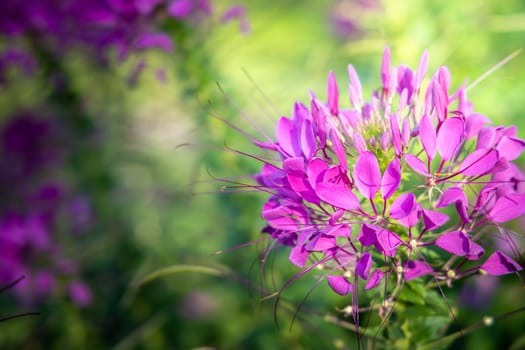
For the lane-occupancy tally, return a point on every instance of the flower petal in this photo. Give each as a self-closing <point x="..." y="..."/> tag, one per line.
<point x="333" y="94"/>
<point x="391" y="179"/>
<point x="433" y="219"/>
<point x="374" y="280"/>
<point x="458" y="243"/>
<point x="508" y="207"/>
<point x="427" y="134"/>
<point x="403" y="206"/>
<point x="367" y="174"/>
<point x="449" y="137"/>
<point x="499" y="264"/>
<point x="416" y="164"/>
<point x="363" y="266"/>
<point x="415" y="268"/>
<point x="340" y="285"/>
<point x="479" y="162"/>
<point x="339" y="196"/>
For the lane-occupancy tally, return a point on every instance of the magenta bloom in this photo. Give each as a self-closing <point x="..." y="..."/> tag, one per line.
<point x="394" y="186"/>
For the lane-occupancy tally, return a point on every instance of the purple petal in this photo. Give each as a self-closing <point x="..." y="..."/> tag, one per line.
<point x="451" y="195"/>
<point x="368" y="235"/>
<point x="508" y="207"/>
<point x="385" y="69"/>
<point x="416" y="164"/>
<point x="486" y="138"/>
<point x="421" y="70"/>
<point x="363" y="266"/>
<point x="340" y="285"/>
<point x="396" y="135"/>
<point x="287" y="137"/>
<point x="458" y="243"/>
<point x="321" y="243"/>
<point x="387" y="242"/>
<point x="499" y="264"/>
<point x="474" y="124"/>
<point x="80" y="293"/>
<point x="433" y="219"/>
<point x="449" y="137"/>
<point x="402" y="206"/>
<point x="427" y="134"/>
<point x="158" y="40"/>
<point x="367" y="174"/>
<point x="375" y="279"/>
<point x="339" y="151"/>
<point x="356" y="91"/>
<point x="415" y="268"/>
<point x="314" y="171"/>
<point x="308" y="145"/>
<point x="510" y="147"/>
<point x="405" y="132"/>
<point x="479" y="162"/>
<point x="391" y="179"/>
<point x="339" y="196"/>
<point x="180" y="8"/>
<point x="299" y="256"/>
<point x="333" y="94"/>
<point x="413" y="218"/>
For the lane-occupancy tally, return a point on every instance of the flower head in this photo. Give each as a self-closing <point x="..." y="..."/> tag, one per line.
<point x="395" y="185"/>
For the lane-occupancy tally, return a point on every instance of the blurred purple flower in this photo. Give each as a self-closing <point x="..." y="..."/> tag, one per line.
<point x="31" y="207"/>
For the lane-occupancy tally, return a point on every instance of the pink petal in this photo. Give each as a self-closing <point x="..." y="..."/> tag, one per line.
<point x="375" y="279"/>
<point x="479" y="162"/>
<point x="449" y="137"/>
<point x="433" y="219"/>
<point x="287" y="137"/>
<point x="339" y="196"/>
<point x="356" y="91"/>
<point x="391" y="179"/>
<point x="508" y="207"/>
<point x="499" y="264"/>
<point x="416" y="164"/>
<point x="510" y="147"/>
<point x="363" y="266"/>
<point x="339" y="151"/>
<point x="368" y="234"/>
<point x="427" y="134"/>
<point x="340" y="285"/>
<point x="421" y="70"/>
<point x="308" y="145"/>
<point x="387" y="242"/>
<point x="415" y="268"/>
<point x="367" y="174"/>
<point x="333" y="94"/>
<point x="402" y="206"/>
<point x="385" y="69"/>
<point x="299" y="256"/>
<point x="474" y="124"/>
<point x="314" y="171"/>
<point x="458" y="243"/>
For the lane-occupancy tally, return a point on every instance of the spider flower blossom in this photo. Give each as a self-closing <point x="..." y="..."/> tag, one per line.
<point x="394" y="186"/>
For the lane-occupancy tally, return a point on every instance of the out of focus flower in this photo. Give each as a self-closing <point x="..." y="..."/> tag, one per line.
<point x="31" y="207"/>
<point x="408" y="184"/>
<point x="349" y="17"/>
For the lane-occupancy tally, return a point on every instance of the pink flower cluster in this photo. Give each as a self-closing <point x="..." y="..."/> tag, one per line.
<point x="411" y="183"/>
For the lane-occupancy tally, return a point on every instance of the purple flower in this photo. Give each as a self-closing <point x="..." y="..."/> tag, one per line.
<point x="412" y="172"/>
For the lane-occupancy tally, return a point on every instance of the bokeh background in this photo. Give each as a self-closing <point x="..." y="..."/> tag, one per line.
<point x="112" y="167"/>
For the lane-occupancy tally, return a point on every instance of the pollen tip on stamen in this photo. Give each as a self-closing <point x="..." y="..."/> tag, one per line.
<point x="451" y="274"/>
<point x="399" y="269"/>
<point x="482" y="272"/>
<point x="488" y="321"/>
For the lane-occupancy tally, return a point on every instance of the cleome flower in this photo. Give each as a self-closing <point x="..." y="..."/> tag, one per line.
<point x="409" y="184"/>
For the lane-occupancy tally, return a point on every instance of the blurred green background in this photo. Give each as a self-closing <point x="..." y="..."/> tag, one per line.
<point x="148" y="154"/>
